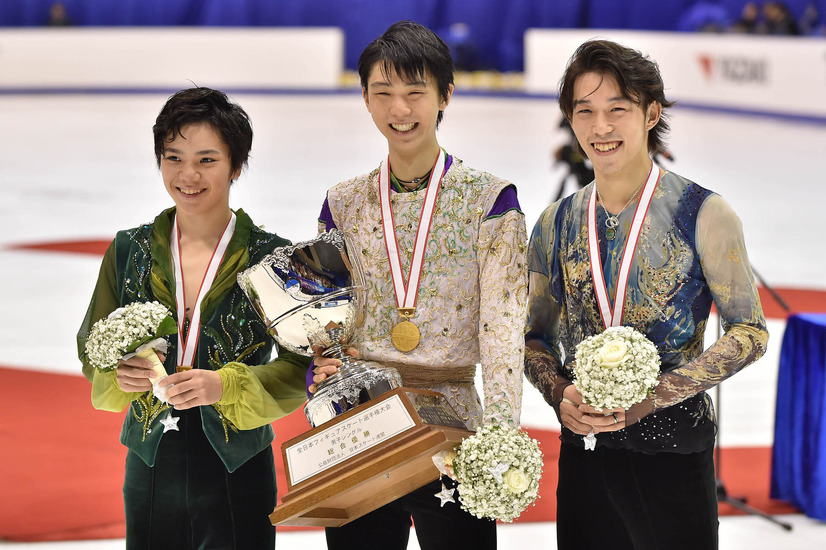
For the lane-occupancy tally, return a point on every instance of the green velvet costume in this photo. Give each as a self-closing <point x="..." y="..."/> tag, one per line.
<point x="233" y="341"/>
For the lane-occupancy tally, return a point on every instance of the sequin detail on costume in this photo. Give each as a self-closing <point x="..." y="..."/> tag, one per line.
<point x="236" y="334"/>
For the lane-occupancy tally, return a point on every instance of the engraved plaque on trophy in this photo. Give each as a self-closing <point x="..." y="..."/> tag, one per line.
<point x="371" y="439"/>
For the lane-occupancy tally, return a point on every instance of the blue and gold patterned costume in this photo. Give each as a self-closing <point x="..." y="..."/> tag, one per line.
<point x="691" y="254"/>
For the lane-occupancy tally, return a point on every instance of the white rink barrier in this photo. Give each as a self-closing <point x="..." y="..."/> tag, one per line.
<point x="177" y="57"/>
<point x="773" y="74"/>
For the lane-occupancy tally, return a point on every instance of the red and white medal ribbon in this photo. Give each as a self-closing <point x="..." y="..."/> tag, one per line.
<point x="188" y="345"/>
<point x="406" y="294"/>
<point x="613" y="318"/>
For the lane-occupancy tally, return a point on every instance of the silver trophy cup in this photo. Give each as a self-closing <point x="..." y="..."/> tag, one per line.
<point x="309" y="295"/>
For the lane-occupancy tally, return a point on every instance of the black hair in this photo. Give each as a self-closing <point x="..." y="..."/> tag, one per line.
<point x="205" y="105"/>
<point x="637" y="76"/>
<point x="413" y="51"/>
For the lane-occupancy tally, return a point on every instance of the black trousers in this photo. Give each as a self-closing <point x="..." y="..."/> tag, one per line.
<point x="625" y="500"/>
<point x="189" y="500"/>
<point x="388" y="528"/>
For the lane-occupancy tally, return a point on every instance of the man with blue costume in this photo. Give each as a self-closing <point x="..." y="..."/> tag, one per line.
<point x="646" y="248"/>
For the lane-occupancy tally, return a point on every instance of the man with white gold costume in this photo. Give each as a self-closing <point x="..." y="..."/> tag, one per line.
<point x="645" y="248"/>
<point x="443" y="251"/>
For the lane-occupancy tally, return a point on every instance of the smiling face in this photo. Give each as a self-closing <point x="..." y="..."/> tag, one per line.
<point x="610" y="128"/>
<point x="405" y="112"/>
<point x="197" y="171"/>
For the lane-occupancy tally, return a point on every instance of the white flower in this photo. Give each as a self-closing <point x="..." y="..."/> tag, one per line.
<point x="612" y="353"/>
<point x="481" y="455"/>
<point x="125" y="329"/>
<point x="616" y="368"/>
<point x="515" y="480"/>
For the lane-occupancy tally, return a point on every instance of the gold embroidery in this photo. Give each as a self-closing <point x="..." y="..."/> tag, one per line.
<point x="735" y="255"/>
<point x="226" y="423"/>
<point x="150" y="408"/>
<point x="721" y="291"/>
<point x="451" y="297"/>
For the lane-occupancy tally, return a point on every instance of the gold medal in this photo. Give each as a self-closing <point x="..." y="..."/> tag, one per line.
<point x="405" y="335"/>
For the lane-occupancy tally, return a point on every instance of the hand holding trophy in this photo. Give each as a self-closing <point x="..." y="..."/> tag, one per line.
<point x="372" y="439"/>
<point x="308" y="297"/>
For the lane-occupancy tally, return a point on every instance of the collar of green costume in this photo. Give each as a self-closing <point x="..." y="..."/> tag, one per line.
<point x="162" y="277"/>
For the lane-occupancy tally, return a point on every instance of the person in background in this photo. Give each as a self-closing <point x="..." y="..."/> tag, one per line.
<point x="58" y="16"/>
<point x="571" y="155"/>
<point x="779" y="20"/>
<point x="671" y="248"/>
<point x="199" y="470"/>
<point x="810" y="23"/>
<point x="424" y="211"/>
<point x="749" y="22"/>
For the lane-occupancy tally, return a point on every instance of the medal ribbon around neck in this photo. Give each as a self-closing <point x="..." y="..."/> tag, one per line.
<point x="614" y="318"/>
<point x="187" y="347"/>
<point x="406" y="294"/>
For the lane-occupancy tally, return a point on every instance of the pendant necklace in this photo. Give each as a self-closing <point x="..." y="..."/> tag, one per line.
<point x="611" y="314"/>
<point x="611" y="221"/>
<point x="416" y="181"/>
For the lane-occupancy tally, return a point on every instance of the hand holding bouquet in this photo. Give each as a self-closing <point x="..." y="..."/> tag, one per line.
<point x="136" y="329"/>
<point x="615" y="369"/>
<point x="498" y="470"/>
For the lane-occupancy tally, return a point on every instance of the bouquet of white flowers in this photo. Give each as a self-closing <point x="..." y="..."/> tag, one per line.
<point x="616" y="368"/>
<point x="136" y="329"/>
<point x="498" y="470"/>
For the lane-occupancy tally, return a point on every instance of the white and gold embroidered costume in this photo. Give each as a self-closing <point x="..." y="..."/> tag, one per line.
<point x="471" y="301"/>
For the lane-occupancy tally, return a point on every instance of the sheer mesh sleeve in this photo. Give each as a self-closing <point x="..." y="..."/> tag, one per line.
<point x="543" y="365"/>
<point x="726" y="267"/>
<point x="259" y="394"/>
<point x="106" y="394"/>
<point x="104" y="300"/>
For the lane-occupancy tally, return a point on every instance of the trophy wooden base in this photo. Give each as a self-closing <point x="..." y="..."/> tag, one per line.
<point x="379" y="451"/>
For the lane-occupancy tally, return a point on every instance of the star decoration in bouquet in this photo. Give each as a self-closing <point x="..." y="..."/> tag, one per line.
<point x="590" y="441"/>
<point x="615" y="369"/>
<point x="498" y="471"/>
<point x="445" y="495"/>
<point x="170" y="423"/>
